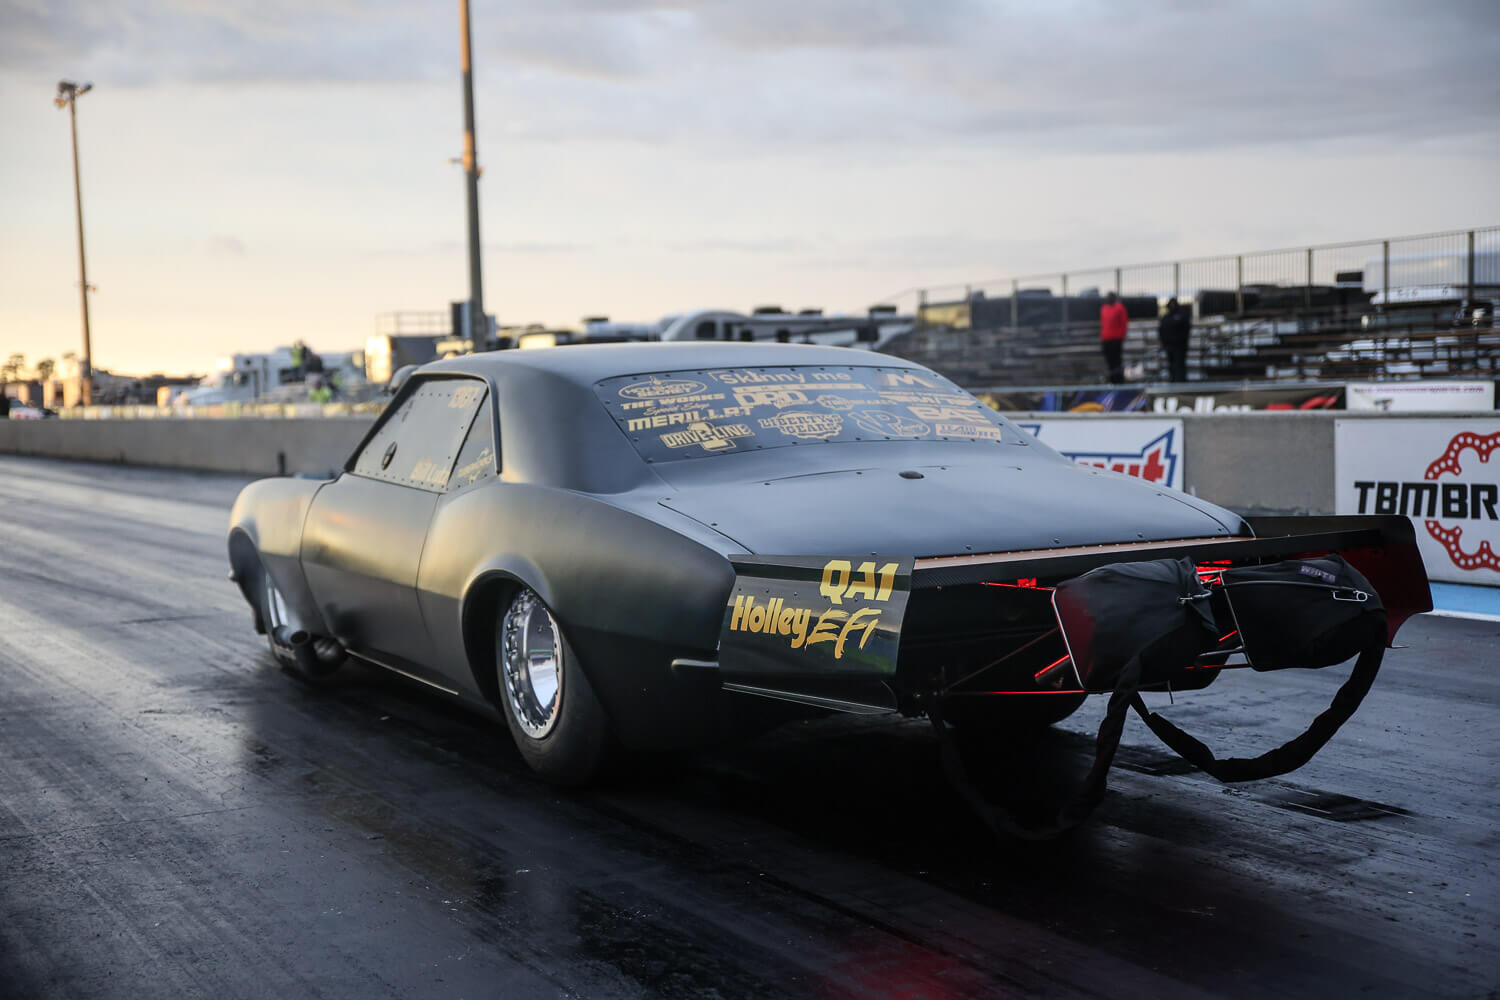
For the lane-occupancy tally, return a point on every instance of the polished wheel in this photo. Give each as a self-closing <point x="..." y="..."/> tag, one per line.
<point x="554" y="718"/>
<point x="531" y="658"/>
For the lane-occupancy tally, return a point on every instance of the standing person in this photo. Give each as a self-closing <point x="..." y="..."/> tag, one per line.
<point x="1113" y="322"/>
<point x="1174" y="330"/>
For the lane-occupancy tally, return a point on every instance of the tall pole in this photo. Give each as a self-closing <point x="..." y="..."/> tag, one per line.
<point x="478" y="327"/>
<point x="68" y="92"/>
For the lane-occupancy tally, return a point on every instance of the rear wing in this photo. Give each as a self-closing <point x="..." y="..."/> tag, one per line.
<point x="826" y="631"/>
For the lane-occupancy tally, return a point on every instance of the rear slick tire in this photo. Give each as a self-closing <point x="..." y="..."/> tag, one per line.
<point x="555" y="719"/>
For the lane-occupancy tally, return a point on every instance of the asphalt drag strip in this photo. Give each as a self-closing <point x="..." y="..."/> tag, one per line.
<point x="178" y="817"/>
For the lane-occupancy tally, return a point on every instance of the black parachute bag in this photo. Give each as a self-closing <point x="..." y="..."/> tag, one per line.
<point x="1308" y="613"/>
<point x="1130" y="624"/>
<point x="1156" y="611"/>
<point x="1125" y="624"/>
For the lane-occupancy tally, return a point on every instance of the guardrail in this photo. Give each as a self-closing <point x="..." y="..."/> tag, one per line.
<point x="1463" y="259"/>
<point x="223" y="411"/>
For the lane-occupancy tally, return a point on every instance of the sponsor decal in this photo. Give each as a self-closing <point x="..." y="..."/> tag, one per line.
<point x="652" y="405"/>
<point x="670" y="418"/>
<point x="707" y="436"/>
<point x="465" y="396"/>
<point x="806" y="424"/>
<point x="664" y="413"/>
<point x="856" y="593"/>
<point x="888" y="424"/>
<point x="841" y="403"/>
<point x="430" y="473"/>
<point x="933" y="414"/>
<point x="656" y="387"/>
<point x="1441" y="473"/>
<point x="472" y="472"/>
<point x="986" y="432"/>
<point x="776" y="397"/>
<point x="928" y="398"/>
<point x="910" y="378"/>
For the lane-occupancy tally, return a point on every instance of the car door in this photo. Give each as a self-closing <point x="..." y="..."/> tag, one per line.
<point x="455" y="543"/>
<point x="362" y="541"/>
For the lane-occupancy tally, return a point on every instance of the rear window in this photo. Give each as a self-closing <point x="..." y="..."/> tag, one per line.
<point x="724" y="411"/>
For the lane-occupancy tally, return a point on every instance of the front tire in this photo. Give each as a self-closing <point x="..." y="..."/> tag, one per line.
<point x="553" y="715"/>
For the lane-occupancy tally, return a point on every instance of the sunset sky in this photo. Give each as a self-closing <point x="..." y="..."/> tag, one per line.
<point x="256" y="173"/>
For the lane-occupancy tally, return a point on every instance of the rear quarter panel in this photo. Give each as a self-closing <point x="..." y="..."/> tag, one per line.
<point x="265" y="536"/>
<point x="628" y="593"/>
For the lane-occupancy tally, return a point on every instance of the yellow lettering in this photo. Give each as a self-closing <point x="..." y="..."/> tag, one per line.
<point x="833" y="586"/>
<point x="853" y="622"/>
<point x="887" y="581"/>
<point x="739" y="614"/>
<point x="824" y="631"/>
<point x="799" y="627"/>
<point x="865" y="584"/>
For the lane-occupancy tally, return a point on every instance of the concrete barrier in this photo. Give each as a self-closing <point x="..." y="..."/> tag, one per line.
<point x="264" y="447"/>
<point x="1256" y="462"/>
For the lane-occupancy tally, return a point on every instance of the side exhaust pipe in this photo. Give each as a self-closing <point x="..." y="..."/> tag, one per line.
<point x="304" y="650"/>
<point x="296" y="638"/>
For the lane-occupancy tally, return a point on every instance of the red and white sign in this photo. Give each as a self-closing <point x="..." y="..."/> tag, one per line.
<point x="1135" y="446"/>
<point x="1443" y="474"/>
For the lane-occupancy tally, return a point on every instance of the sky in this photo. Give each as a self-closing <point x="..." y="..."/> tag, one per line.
<point x="255" y="173"/>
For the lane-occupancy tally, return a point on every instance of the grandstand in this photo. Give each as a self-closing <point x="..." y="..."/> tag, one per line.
<point x="1399" y="308"/>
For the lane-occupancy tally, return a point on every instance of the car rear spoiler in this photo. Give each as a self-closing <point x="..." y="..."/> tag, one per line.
<point x="825" y="631"/>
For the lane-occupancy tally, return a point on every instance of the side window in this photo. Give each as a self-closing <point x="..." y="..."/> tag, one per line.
<point x="417" y="444"/>
<point x="476" y="460"/>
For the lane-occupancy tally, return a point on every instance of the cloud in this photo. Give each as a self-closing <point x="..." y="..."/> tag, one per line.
<point x="747" y="78"/>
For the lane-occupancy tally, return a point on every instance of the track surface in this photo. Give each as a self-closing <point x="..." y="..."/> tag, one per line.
<point x="180" y="818"/>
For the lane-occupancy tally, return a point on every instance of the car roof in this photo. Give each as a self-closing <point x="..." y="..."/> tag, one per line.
<point x="586" y="364"/>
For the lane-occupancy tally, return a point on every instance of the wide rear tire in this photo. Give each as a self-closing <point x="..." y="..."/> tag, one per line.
<point x="555" y="719"/>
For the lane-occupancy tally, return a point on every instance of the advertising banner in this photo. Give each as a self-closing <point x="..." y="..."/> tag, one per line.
<point x="1147" y="449"/>
<point x="1269" y="397"/>
<point x="1443" y="474"/>
<point x="1122" y="400"/>
<point x="1421" y="397"/>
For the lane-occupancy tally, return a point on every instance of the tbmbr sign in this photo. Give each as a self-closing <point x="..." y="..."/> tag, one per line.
<point x="1443" y="474"/>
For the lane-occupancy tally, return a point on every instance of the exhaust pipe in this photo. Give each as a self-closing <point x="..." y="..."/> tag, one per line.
<point x="305" y="652"/>
<point x="289" y="636"/>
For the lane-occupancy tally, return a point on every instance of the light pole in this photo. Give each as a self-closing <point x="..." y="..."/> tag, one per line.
<point x="478" y="327"/>
<point x="68" y="93"/>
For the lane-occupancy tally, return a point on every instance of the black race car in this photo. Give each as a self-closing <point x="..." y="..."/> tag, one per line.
<point x="637" y="544"/>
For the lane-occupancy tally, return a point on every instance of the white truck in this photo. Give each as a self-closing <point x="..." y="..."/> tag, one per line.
<point x="244" y="378"/>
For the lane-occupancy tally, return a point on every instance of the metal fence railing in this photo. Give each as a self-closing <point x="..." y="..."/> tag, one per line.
<point x="1464" y="261"/>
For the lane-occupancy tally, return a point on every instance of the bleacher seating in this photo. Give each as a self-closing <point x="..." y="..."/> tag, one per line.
<point x="1288" y="347"/>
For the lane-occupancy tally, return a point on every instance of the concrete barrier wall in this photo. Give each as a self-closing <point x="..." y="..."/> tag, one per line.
<point x="248" y="446"/>
<point x="1256" y="462"/>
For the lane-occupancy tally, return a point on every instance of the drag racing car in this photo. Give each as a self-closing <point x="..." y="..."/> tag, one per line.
<point x="640" y="545"/>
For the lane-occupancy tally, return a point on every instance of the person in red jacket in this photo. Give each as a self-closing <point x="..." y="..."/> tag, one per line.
<point x="1112" y="325"/>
